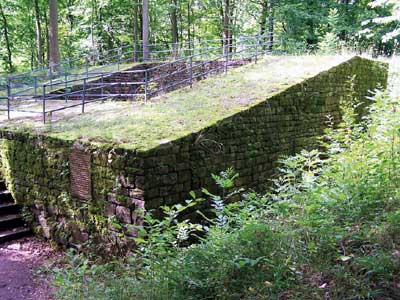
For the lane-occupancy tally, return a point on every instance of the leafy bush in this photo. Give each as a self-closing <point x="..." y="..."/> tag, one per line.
<point x="327" y="229"/>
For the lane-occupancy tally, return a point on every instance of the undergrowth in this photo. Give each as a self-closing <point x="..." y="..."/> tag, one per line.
<point x="328" y="229"/>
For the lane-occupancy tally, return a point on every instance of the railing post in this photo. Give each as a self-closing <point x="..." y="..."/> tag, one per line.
<point x="87" y="66"/>
<point x="102" y="87"/>
<point x="192" y="47"/>
<point x="44" y="103"/>
<point x="146" y="84"/>
<point x="84" y="95"/>
<point x="191" y="72"/>
<point x="8" y="99"/>
<point x="9" y="84"/>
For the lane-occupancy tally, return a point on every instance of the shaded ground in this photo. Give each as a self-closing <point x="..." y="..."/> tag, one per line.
<point x="19" y="261"/>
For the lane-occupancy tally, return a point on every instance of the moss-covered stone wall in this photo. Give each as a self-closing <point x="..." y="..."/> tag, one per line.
<point x="253" y="140"/>
<point x="37" y="169"/>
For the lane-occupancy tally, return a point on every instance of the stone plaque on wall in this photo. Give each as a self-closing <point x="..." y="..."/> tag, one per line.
<point x="81" y="185"/>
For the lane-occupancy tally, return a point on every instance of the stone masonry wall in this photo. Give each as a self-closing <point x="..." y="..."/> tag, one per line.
<point x="42" y="174"/>
<point x="79" y="194"/>
<point x="253" y="140"/>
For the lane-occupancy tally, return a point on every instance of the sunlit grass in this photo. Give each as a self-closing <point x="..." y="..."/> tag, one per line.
<point x="171" y="116"/>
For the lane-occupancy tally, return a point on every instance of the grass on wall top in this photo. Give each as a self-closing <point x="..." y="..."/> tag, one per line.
<point x="143" y="126"/>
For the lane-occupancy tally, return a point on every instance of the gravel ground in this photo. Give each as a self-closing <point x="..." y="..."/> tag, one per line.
<point x="19" y="262"/>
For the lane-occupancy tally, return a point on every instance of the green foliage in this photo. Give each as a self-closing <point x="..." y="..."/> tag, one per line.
<point x="173" y="117"/>
<point x="327" y="229"/>
<point x="329" y="44"/>
<point x="96" y="26"/>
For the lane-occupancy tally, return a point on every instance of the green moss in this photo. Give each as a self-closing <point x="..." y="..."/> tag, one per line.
<point x="230" y="111"/>
<point x="143" y="126"/>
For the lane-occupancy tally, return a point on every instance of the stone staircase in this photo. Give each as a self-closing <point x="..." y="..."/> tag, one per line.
<point x="12" y="226"/>
<point x="165" y="78"/>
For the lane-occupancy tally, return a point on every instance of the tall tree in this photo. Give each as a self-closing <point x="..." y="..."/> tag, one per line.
<point x="174" y="26"/>
<point x="392" y="18"/>
<point x="54" y="49"/>
<point x="227" y="26"/>
<point x="271" y="24"/>
<point x="189" y="20"/>
<point x="6" y="38"/>
<point x="263" y="17"/>
<point x="146" y="29"/>
<point x="136" y="6"/>
<point x="39" y="40"/>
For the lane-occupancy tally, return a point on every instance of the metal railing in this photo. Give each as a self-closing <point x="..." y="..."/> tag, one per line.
<point x="148" y="79"/>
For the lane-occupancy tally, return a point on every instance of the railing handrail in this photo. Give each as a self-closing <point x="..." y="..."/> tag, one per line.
<point x="90" y="53"/>
<point x="86" y="82"/>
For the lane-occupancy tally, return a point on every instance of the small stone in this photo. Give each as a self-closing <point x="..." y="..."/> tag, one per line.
<point x="79" y="237"/>
<point x="136" y="194"/>
<point x="112" y="198"/>
<point x="123" y="214"/>
<point x="126" y="182"/>
<point x="52" y="210"/>
<point x="169" y="179"/>
<point x="45" y="226"/>
<point x="139" y="204"/>
<point x="110" y="209"/>
<point x="131" y="230"/>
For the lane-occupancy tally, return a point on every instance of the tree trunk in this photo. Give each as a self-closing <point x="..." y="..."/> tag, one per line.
<point x="271" y="23"/>
<point x="174" y="27"/>
<point x="232" y="24"/>
<point x="46" y="19"/>
<point x="263" y="17"/>
<point x="181" y="23"/>
<point x="7" y="39"/>
<point x="39" y="40"/>
<point x="135" y="30"/>
<point x="146" y="30"/>
<point x="227" y="27"/>
<point x="189" y="22"/>
<point x="343" y="35"/>
<point x="53" y="34"/>
<point x="92" y="19"/>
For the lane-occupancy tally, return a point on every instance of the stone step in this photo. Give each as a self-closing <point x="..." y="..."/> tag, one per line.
<point x="11" y="221"/>
<point x="6" y="197"/>
<point x="9" y="209"/>
<point x="13" y="234"/>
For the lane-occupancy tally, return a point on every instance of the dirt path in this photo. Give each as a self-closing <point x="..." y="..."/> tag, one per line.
<point x="19" y="260"/>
